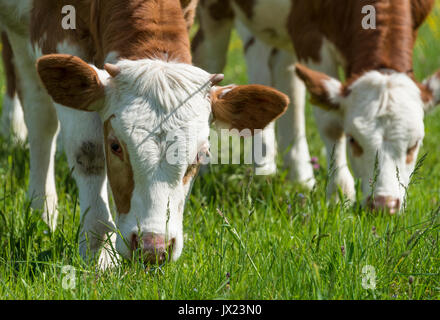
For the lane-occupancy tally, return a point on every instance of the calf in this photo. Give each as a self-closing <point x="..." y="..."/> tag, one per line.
<point x="122" y="86"/>
<point x="380" y="108"/>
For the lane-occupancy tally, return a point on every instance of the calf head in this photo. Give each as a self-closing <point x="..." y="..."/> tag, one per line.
<point x="382" y="115"/>
<point x="156" y="120"/>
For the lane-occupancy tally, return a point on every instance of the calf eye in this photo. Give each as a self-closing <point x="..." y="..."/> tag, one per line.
<point x="116" y="147"/>
<point x="410" y="153"/>
<point x="355" y="147"/>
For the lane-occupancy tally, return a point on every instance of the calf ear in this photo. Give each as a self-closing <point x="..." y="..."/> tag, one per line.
<point x="247" y="107"/>
<point x="430" y="90"/>
<point x="325" y="91"/>
<point x="71" y="82"/>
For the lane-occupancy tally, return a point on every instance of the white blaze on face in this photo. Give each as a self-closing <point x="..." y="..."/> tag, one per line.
<point x="383" y="116"/>
<point x="161" y="112"/>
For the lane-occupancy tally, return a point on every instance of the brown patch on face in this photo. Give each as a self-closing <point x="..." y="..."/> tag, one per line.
<point x="355" y="147"/>
<point x="135" y="29"/>
<point x="190" y="173"/>
<point x="247" y="6"/>
<point x="8" y="63"/>
<point x="410" y="153"/>
<point x="119" y="171"/>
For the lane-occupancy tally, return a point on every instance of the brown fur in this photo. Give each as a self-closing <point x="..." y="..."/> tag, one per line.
<point x="8" y="63"/>
<point x="70" y="81"/>
<point x="190" y="173"/>
<point x="248" y="107"/>
<point x="119" y="172"/>
<point x="389" y="46"/>
<point x="135" y="29"/>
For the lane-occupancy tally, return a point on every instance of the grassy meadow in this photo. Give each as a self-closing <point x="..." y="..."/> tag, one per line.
<point x="280" y="241"/>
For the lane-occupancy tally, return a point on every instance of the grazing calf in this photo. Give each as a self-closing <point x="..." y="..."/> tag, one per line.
<point x="12" y="122"/>
<point x="128" y="99"/>
<point x="380" y="108"/>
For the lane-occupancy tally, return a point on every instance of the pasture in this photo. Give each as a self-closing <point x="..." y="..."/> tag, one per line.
<point x="274" y="241"/>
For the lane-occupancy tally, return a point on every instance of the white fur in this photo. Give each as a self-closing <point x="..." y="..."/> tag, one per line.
<point x="272" y="31"/>
<point x="384" y="113"/>
<point x="292" y="126"/>
<point x="258" y="69"/>
<point x="12" y="121"/>
<point x="218" y="33"/>
<point x="42" y="124"/>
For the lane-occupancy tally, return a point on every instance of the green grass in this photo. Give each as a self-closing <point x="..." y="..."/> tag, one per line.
<point x="291" y="244"/>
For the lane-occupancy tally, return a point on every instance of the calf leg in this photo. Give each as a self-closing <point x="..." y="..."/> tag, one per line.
<point x="331" y="130"/>
<point x="210" y="44"/>
<point x="291" y="126"/>
<point x="332" y="134"/>
<point x="12" y="121"/>
<point x="257" y="56"/>
<point x="83" y="144"/>
<point x="42" y="123"/>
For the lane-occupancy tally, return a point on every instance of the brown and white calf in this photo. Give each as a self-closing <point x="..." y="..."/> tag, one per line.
<point x="127" y="97"/>
<point x="379" y="109"/>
